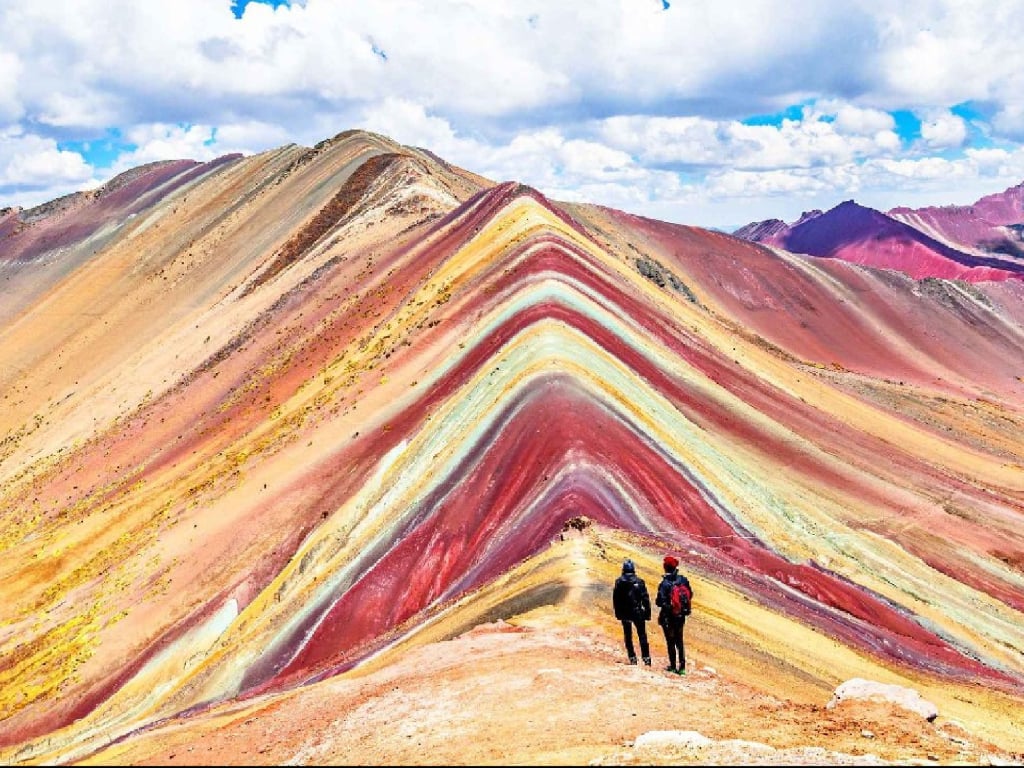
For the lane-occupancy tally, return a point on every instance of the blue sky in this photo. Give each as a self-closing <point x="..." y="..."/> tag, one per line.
<point x="238" y="6"/>
<point x="698" y="112"/>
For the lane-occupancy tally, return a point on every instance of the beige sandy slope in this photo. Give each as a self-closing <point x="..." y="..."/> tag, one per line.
<point x="547" y="683"/>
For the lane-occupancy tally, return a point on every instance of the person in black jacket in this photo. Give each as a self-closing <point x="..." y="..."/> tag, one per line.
<point x="671" y="624"/>
<point x="632" y="606"/>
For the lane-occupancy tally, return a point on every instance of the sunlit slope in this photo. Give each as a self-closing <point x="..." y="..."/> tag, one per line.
<point x="148" y="365"/>
<point x="561" y="591"/>
<point x="380" y="383"/>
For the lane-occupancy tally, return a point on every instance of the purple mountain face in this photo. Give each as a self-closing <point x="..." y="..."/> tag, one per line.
<point x="975" y="243"/>
<point x="992" y="225"/>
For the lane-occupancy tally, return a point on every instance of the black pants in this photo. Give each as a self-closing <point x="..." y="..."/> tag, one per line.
<point x="674" y="641"/>
<point x="641" y="634"/>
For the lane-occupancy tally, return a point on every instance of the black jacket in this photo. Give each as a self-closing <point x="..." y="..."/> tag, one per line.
<point x="664" y="597"/>
<point x="626" y="607"/>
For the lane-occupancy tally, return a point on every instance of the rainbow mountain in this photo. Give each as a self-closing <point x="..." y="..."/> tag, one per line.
<point x="279" y="420"/>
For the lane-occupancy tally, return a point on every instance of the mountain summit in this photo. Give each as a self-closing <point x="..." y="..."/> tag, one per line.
<point x="332" y="454"/>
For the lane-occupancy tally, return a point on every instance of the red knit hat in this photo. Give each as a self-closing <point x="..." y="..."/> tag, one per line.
<point x="671" y="563"/>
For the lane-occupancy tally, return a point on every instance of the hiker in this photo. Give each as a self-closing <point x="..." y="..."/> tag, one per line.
<point x="633" y="608"/>
<point x="672" y="616"/>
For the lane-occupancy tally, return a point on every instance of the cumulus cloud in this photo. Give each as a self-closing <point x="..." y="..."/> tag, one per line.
<point x="1009" y="121"/>
<point x="943" y="129"/>
<point x="948" y="52"/>
<point x="550" y="161"/>
<point x="194" y="61"/>
<point x="33" y="169"/>
<point x="28" y="157"/>
<point x="685" y="140"/>
<point x="825" y="135"/>
<point x="159" y="141"/>
<point x="409" y="123"/>
<point x="251" y="135"/>
<point x="620" y="99"/>
<point x="993" y="161"/>
<point x="763" y="183"/>
<point x="47" y="166"/>
<point x="10" y="71"/>
<point x="857" y="121"/>
<point x="923" y="168"/>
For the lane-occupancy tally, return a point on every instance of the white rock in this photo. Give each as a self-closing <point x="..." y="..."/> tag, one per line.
<point x="870" y="690"/>
<point x="997" y="760"/>
<point x="661" y="739"/>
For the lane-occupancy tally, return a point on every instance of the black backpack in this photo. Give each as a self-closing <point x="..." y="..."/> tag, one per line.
<point x="636" y="598"/>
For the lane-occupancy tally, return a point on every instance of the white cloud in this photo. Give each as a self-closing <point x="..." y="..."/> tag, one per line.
<point x="805" y="143"/>
<point x="252" y="135"/>
<point x="942" y="181"/>
<point x="688" y="140"/>
<point x="923" y="168"/>
<point x="763" y="183"/>
<point x="47" y="166"/>
<point x="991" y="161"/>
<point x="855" y="121"/>
<point x="34" y="170"/>
<point x="159" y="141"/>
<point x="90" y="108"/>
<point x="408" y="123"/>
<point x="28" y="158"/>
<point x="616" y="98"/>
<point x="194" y="61"/>
<point x="940" y="129"/>
<point x="592" y="160"/>
<point x="947" y="52"/>
<point x="10" y="72"/>
<point x="1009" y="121"/>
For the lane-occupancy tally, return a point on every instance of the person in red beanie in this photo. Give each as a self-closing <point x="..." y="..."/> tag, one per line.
<point x="673" y="619"/>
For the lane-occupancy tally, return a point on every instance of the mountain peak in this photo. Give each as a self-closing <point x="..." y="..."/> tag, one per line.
<point x="852" y="207"/>
<point x="808" y="215"/>
<point x="761" y="231"/>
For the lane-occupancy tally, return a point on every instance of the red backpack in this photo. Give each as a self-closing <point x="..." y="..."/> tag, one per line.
<point x="679" y="598"/>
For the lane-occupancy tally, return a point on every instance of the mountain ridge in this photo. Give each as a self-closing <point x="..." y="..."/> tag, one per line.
<point x="317" y="408"/>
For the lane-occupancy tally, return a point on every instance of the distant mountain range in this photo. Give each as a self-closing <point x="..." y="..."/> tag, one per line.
<point x="979" y="242"/>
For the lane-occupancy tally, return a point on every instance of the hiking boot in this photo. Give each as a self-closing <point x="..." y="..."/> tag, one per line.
<point x="670" y="669"/>
<point x="647" y="660"/>
<point x="681" y="671"/>
<point x="632" y="660"/>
